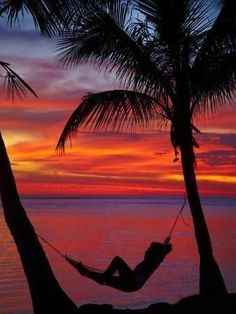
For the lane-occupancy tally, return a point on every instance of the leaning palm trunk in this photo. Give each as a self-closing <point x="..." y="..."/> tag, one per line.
<point x="47" y="295"/>
<point x="211" y="280"/>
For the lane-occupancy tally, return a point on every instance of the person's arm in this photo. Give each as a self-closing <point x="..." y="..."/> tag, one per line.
<point x="167" y="246"/>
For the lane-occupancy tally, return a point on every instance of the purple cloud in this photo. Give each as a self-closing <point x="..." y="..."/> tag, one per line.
<point x="218" y="157"/>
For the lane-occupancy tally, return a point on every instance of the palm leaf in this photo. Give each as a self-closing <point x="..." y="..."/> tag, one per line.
<point x="118" y="109"/>
<point x="216" y="62"/>
<point x="110" y="39"/>
<point x="218" y="85"/>
<point x="175" y="24"/>
<point x="47" y="15"/>
<point x="221" y="36"/>
<point x="14" y="84"/>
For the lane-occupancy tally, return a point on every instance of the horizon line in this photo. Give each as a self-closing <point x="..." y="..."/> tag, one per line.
<point x="117" y="196"/>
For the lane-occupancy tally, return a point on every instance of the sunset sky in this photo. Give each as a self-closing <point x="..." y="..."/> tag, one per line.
<point x="97" y="163"/>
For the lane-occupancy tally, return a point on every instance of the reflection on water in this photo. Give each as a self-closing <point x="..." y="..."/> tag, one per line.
<point x="95" y="230"/>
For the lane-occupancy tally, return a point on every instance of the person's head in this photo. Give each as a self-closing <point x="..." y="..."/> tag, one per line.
<point x="156" y="248"/>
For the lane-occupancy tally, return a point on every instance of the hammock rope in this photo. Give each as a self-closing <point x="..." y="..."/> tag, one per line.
<point x="165" y="242"/>
<point x="51" y="246"/>
<point x="177" y="217"/>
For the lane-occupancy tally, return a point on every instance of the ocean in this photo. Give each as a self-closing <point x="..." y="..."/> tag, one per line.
<point x="94" y="230"/>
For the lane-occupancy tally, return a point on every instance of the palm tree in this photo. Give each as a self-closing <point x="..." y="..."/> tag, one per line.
<point x="47" y="295"/>
<point x="175" y="61"/>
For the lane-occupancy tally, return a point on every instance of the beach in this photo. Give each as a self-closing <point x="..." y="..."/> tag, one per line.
<point x="94" y="230"/>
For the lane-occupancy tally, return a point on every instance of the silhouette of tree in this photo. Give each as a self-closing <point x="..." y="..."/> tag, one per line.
<point x="175" y="61"/>
<point x="47" y="295"/>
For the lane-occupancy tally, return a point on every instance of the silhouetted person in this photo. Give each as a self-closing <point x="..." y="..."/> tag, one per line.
<point x="127" y="280"/>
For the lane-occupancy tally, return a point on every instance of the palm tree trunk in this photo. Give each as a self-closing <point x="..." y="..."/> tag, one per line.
<point x="211" y="280"/>
<point x="47" y="296"/>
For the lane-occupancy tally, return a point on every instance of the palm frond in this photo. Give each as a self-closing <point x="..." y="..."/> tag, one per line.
<point x="112" y="42"/>
<point x="218" y="85"/>
<point x="216" y="63"/>
<point x="117" y="109"/>
<point x="176" y="24"/>
<point x="174" y="17"/>
<point x="221" y="36"/>
<point x="14" y="84"/>
<point x="48" y="16"/>
<point x="163" y="13"/>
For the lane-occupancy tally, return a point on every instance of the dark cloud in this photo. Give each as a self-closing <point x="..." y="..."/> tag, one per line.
<point x="127" y="136"/>
<point x="224" y="155"/>
<point x="160" y="153"/>
<point x="33" y="115"/>
<point x="120" y="160"/>
<point x="25" y="43"/>
<point x="218" y="157"/>
<point x="225" y="139"/>
<point x="8" y="34"/>
<point x="228" y="140"/>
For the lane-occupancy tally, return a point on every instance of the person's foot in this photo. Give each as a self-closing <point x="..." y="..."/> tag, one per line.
<point x="80" y="267"/>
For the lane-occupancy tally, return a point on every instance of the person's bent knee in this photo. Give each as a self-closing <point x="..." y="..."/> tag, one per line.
<point x="117" y="259"/>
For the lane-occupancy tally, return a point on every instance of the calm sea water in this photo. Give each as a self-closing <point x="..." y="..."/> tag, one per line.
<point x="95" y="230"/>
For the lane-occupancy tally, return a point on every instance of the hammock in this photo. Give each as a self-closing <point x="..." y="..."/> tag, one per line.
<point x="165" y="242"/>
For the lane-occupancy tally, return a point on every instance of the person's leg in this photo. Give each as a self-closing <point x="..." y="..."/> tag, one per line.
<point x="94" y="275"/>
<point x="120" y="266"/>
<point x="116" y="265"/>
<point x="126" y="280"/>
<point x="120" y="282"/>
<point x="84" y="271"/>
